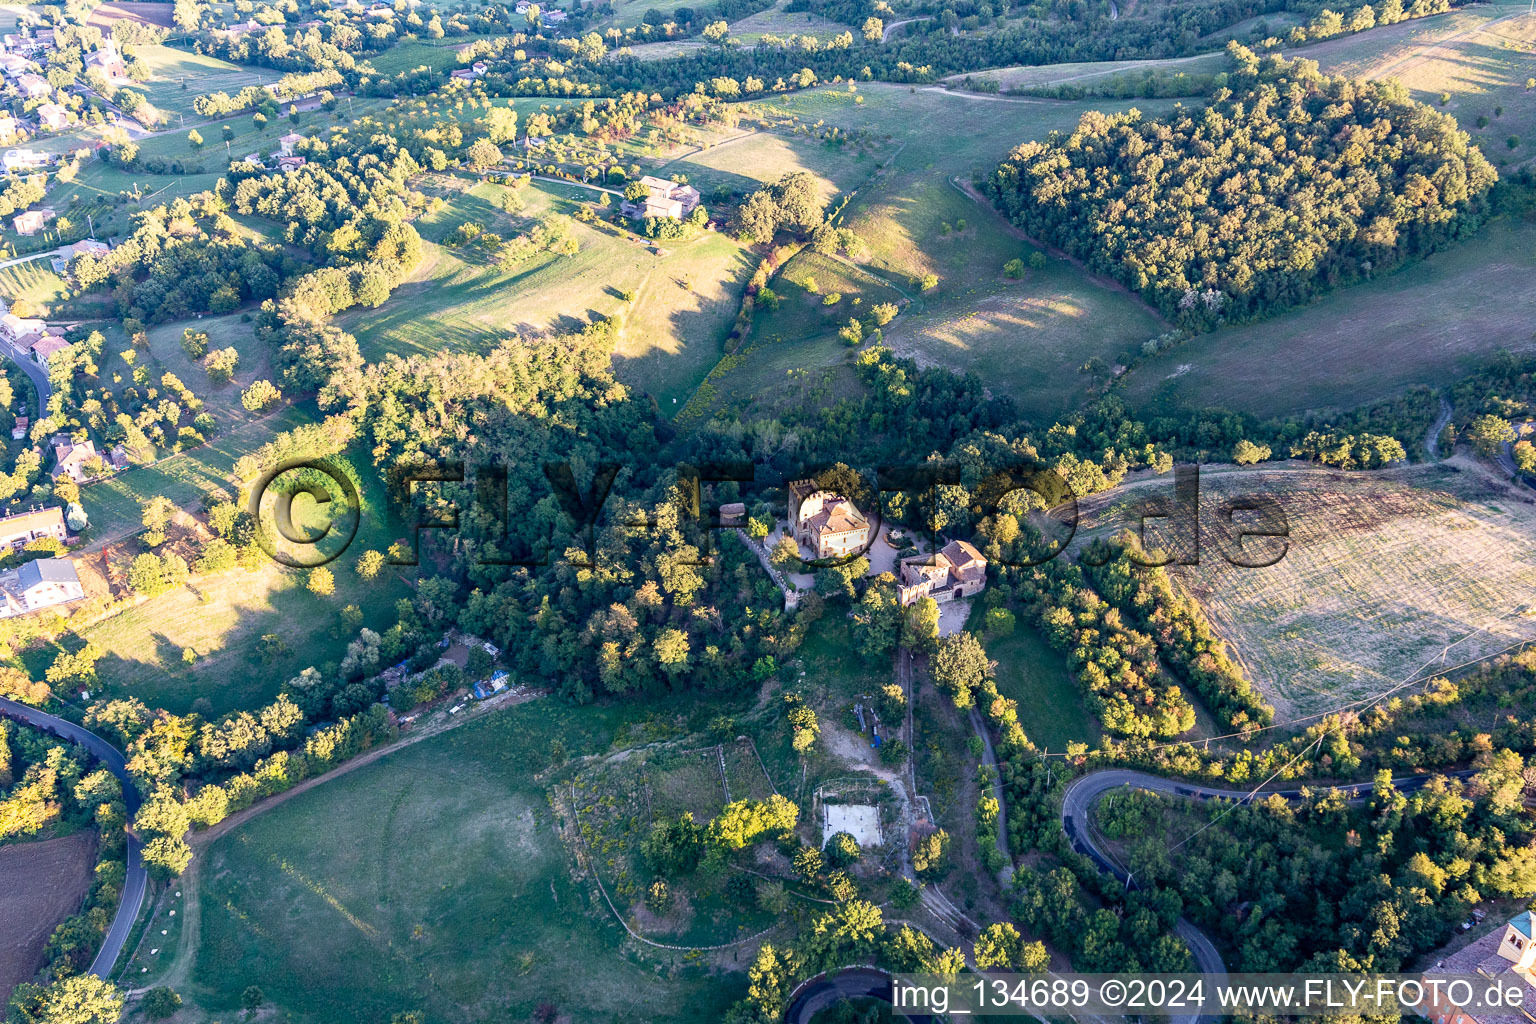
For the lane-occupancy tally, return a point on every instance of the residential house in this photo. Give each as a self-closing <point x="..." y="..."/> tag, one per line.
<point x="16" y="329"/>
<point x="19" y="429"/>
<point x="12" y="65"/>
<point x="71" y="459"/>
<point x="522" y="6"/>
<point x="21" y="529"/>
<point x="242" y="28"/>
<point x="86" y="247"/>
<point x="475" y="70"/>
<point x="31" y="222"/>
<point x="553" y="17"/>
<point x="827" y="523"/>
<point x="286" y="144"/>
<point x="1507" y="955"/>
<point x="14" y="160"/>
<point x="53" y="117"/>
<point x="254" y="158"/>
<point x="24" y="45"/>
<point x="45" y="348"/>
<point x="663" y="199"/>
<point x="289" y="164"/>
<point x="108" y="61"/>
<point x="38" y="584"/>
<point x="958" y="570"/>
<point x="32" y="86"/>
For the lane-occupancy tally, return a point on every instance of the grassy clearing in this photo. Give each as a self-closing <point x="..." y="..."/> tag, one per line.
<point x="461" y="905"/>
<point x="457" y="300"/>
<point x="180" y="76"/>
<point x="1035" y="675"/>
<point x="33" y="281"/>
<point x="116" y="503"/>
<point x="1387" y="577"/>
<point x="1026" y="338"/>
<point x="741" y="163"/>
<point x="1425" y="324"/>
<point x="776" y="21"/>
<point x="223" y="618"/>
<point x="1477" y="60"/>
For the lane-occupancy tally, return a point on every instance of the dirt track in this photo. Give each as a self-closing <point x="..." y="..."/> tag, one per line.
<point x="45" y="882"/>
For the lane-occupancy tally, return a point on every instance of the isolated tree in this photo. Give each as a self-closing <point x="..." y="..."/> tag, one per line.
<point x="160" y="1003"/>
<point x="484" y="154"/>
<point x="260" y="395"/>
<point x="322" y="582"/>
<point x="1246" y="453"/>
<point x="999" y="946"/>
<point x="842" y="850"/>
<point x="221" y="364"/>
<point x="369" y="563"/>
<point x="1490" y="433"/>
<point x="959" y="666"/>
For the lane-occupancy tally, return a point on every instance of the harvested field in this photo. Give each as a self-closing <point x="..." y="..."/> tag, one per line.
<point x="1388" y="578"/>
<point x="44" y="883"/>
<point x="146" y="13"/>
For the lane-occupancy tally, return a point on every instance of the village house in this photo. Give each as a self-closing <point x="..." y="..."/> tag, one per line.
<point x="53" y="117"/>
<point x="108" y="61"/>
<point x="475" y="70"/>
<point x="71" y="459"/>
<point x="32" y="86"/>
<point x="21" y="331"/>
<point x="12" y="65"/>
<point x="19" y="428"/>
<point x="553" y="17"/>
<point x="21" y="529"/>
<point x="1507" y="955"/>
<point x="289" y="164"/>
<point x="664" y="199"/>
<point x="242" y="28"/>
<point x="286" y="144"/>
<point x="25" y="45"/>
<point x="14" y="160"/>
<point x="38" y="584"/>
<point x="45" y="348"/>
<point x="825" y="522"/>
<point x="31" y="222"/>
<point x="958" y="570"/>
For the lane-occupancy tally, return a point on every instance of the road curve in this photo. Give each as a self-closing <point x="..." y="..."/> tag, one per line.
<point x="1084" y="791"/>
<point x="137" y="882"/>
<point x="825" y="990"/>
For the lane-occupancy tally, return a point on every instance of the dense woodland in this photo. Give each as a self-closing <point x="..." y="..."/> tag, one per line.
<point x="1289" y="184"/>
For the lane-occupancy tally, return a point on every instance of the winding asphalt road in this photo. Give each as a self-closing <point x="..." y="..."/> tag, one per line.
<point x="1083" y="792"/>
<point x="138" y="881"/>
<point x="825" y="990"/>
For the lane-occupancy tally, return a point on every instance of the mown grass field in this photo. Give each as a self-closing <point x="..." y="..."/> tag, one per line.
<point x="222" y="618"/>
<point x="1024" y="337"/>
<point x="1387" y="578"/>
<point x="1035" y="675"/>
<point x="179" y="76"/>
<point x="1425" y="324"/>
<point x="33" y="281"/>
<point x="459" y="903"/>
<point x="458" y="300"/>
<point x="116" y="503"/>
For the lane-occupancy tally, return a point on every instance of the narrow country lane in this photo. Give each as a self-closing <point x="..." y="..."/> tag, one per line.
<point x="137" y="882"/>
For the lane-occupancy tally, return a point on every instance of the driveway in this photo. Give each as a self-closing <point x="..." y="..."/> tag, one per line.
<point x="137" y="882"/>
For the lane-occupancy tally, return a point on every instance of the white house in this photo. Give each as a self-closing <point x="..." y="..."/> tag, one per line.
<point x="31" y="222"/>
<point x="32" y="86"/>
<point x="53" y="117"/>
<point x="71" y="459"/>
<point x="41" y="583"/>
<point x="21" y="529"/>
<point x="14" y="160"/>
